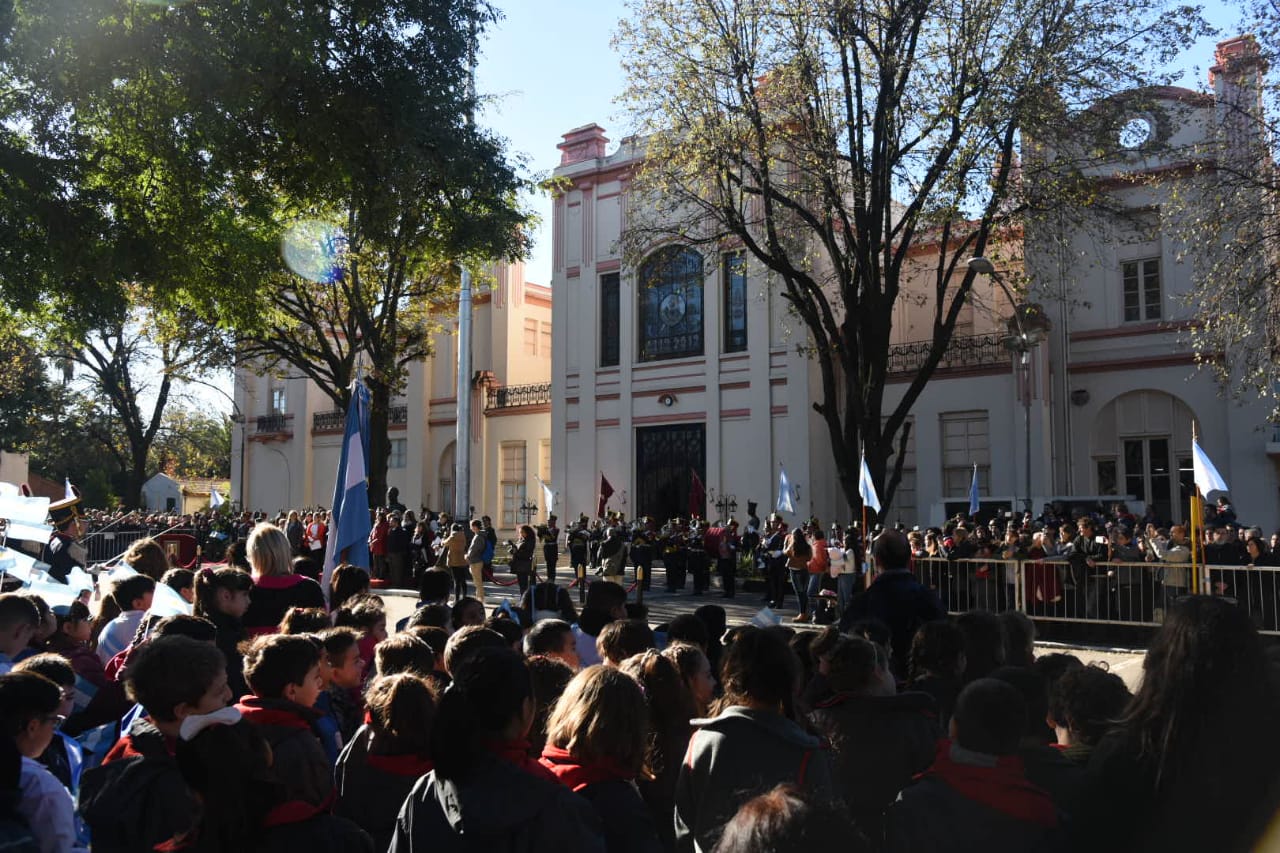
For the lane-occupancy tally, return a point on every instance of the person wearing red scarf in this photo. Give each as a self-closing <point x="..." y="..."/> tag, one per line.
<point x="976" y="794"/>
<point x="596" y="745"/>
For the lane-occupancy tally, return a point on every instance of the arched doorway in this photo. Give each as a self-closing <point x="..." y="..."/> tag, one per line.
<point x="446" y="473"/>
<point x="1141" y="446"/>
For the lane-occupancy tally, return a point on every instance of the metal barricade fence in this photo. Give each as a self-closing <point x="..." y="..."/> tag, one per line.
<point x="1255" y="588"/>
<point x="103" y="546"/>
<point x="1132" y="594"/>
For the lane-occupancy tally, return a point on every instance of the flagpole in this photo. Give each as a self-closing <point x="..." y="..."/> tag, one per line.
<point x="1195" y="522"/>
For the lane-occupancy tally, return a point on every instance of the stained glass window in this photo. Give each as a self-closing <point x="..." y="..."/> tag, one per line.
<point x="735" y="302"/>
<point x="670" y="301"/>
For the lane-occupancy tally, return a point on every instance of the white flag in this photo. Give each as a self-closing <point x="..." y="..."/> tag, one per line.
<point x="786" y="502"/>
<point x="67" y="492"/>
<point x="1207" y="477"/>
<point x="867" y="488"/>
<point x="548" y="496"/>
<point x="215" y="500"/>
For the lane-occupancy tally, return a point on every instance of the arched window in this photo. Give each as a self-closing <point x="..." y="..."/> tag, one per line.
<point x="670" y="297"/>
<point x="447" y="493"/>
<point x="1141" y="446"/>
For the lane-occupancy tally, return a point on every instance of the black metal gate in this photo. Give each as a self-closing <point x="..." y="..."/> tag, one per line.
<point x="666" y="459"/>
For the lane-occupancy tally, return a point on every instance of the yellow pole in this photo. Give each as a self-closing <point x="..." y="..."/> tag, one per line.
<point x="1195" y="548"/>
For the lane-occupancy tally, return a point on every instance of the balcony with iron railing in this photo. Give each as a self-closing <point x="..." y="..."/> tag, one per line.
<point x="964" y="352"/>
<point x="273" y="426"/>
<point x="335" y="420"/>
<point x="518" y="396"/>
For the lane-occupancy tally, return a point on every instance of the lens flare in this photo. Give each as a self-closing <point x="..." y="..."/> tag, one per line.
<point x="314" y="250"/>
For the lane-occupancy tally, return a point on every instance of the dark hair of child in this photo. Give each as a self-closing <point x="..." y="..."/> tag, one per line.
<point x="990" y="717"/>
<point x="171" y="671"/>
<point x="347" y="580"/>
<point x="361" y="611"/>
<point x="182" y="625"/>
<point x="434" y="585"/>
<point x="236" y="557"/>
<point x="489" y="689"/>
<point x="304" y="620"/>
<point x="274" y="661"/>
<point x="307" y="567"/>
<point x="52" y="666"/>
<point x="1035" y="693"/>
<point x="937" y="649"/>
<point x="467" y="641"/>
<point x="209" y="581"/>
<point x="687" y="628"/>
<point x="467" y="611"/>
<point x="550" y="678"/>
<point x="337" y="642"/>
<point x="602" y="718"/>
<point x="759" y="666"/>
<point x="229" y="768"/>
<point x="620" y="640"/>
<point x="403" y="653"/>
<point x="509" y="629"/>
<point x="670" y="704"/>
<point x="76" y="611"/>
<point x="178" y="579"/>
<point x="983" y="643"/>
<point x="132" y="589"/>
<point x="18" y="610"/>
<point x="852" y="664"/>
<point x="431" y="615"/>
<point x="786" y="820"/>
<point x="436" y="638"/>
<point x="1019" y="638"/>
<point x="873" y="630"/>
<point x="24" y="696"/>
<point x="1055" y="665"/>
<point x="402" y="708"/>
<point x="547" y="637"/>
<point x="1088" y="701"/>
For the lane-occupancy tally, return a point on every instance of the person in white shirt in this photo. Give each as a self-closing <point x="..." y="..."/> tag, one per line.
<point x="29" y="715"/>
<point x="132" y="596"/>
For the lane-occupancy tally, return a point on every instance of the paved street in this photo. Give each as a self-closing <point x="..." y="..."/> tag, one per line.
<point x="741" y="608"/>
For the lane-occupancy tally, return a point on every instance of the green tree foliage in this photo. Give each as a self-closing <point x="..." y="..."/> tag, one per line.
<point x="25" y="393"/>
<point x="193" y="443"/>
<point x="831" y="140"/>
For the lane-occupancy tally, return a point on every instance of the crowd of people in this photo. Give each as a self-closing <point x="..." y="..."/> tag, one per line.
<point x="274" y="718"/>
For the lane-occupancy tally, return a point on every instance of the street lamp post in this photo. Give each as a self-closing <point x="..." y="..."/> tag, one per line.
<point x="1027" y="328"/>
<point x="528" y="509"/>
<point x="726" y="506"/>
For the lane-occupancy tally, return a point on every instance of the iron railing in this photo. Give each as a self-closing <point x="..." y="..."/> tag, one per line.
<point x="398" y="415"/>
<point x="964" y="351"/>
<point x="332" y="421"/>
<point x="510" y="396"/>
<point x="278" y="424"/>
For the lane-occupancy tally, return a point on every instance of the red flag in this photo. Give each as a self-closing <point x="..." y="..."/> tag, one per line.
<point x="697" y="496"/>
<point x="606" y="492"/>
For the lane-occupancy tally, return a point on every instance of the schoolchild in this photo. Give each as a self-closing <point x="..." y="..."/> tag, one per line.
<point x="284" y="674"/>
<point x="222" y="597"/>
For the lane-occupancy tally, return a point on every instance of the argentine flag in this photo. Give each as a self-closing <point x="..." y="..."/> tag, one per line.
<point x="786" y="499"/>
<point x="867" y="487"/>
<point x="351" y="525"/>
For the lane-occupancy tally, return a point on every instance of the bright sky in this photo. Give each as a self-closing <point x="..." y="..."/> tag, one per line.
<point x="549" y="68"/>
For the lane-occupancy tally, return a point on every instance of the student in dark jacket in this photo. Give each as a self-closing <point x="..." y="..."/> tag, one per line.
<point x="227" y="763"/>
<point x="596" y="746"/>
<point x="753" y="745"/>
<point x="275" y="587"/>
<point x="283" y="672"/>
<point x="1192" y="763"/>
<point x="880" y="739"/>
<point x="976" y="796"/>
<point x="222" y="597"/>
<point x="485" y="794"/>
<point x="895" y="598"/>
<point x="935" y="664"/>
<point x="1045" y="765"/>
<point x="136" y="798"/>
<point x="388" y="754"/>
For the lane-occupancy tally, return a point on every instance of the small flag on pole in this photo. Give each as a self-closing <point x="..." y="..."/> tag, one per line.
<point x="1207" y="477"/>
<point x="68" y="493"/>
<point x="867" y="488"/>
<point x="606" y="492"/>
<point x="548" y="496"/>
<point x="786" y="501"/>
<point x="974" y="503"/>
<point x="215" y="500"/>
<point x="697" y="495"/>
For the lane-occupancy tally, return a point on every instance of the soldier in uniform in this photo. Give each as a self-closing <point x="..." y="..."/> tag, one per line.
<point x="549" y="535"/>
<point x="642" y="551"/>
<point x="64" y="551"/>
<point x="775" y="561"/>
<point x="697" y="560"/>
<point x="673" y="554"/>
<point x="578" y="539"/>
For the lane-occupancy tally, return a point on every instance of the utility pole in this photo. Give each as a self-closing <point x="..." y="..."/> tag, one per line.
<point x="462" y="439"/>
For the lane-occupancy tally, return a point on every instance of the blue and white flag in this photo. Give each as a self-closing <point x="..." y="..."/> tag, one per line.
<point x="974" y="503"/>
<point x="867" y="487"/>
<point x="548" y="496"/>
<point x="1207" y="477"/>
<point x="215" y="500"/>
<point x="786" y="498"/>
<point x="349" y="530"/>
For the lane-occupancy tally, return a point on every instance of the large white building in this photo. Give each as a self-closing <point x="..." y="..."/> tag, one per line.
<point x="285" y="450"/>
<point x="699" y="373"/>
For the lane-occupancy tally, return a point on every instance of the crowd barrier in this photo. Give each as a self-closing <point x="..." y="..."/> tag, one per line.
<point x="1134" y="594"/>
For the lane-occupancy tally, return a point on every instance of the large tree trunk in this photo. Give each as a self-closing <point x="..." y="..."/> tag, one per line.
<point x="379" y="444"/>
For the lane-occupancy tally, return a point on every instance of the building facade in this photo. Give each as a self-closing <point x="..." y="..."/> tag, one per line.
<point x="287" y="444"/>
<point x="697" y="371"/>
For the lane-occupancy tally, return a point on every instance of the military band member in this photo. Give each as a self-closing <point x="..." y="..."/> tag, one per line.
<point x="674" y="557"/>
<point x="579" y="538"/>
<point x="642" y="550"/>
<point x="549" y="535"/>
<point x="64" y="551"/>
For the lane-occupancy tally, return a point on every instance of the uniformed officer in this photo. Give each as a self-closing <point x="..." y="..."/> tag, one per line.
<point x="64" y="551"/>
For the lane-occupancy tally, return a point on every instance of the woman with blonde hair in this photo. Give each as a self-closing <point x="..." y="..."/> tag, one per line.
<point x="275" y="587"/>
<point x="597" y="741"/>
